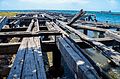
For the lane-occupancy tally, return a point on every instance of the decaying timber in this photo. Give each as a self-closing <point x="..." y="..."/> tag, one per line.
<point x="29" y="37"/>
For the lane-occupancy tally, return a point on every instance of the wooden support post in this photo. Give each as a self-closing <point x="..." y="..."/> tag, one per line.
<point x="85" y="31"/>
<point x="56" y="57"/>
<point x="118" y="29"/>
<point x="101" y="35"/>
<point x="56" y="70"/>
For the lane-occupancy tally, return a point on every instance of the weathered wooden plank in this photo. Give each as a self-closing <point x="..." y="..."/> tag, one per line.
<point x="11" y="24"/>
<point x="34" y="66"/>
<point x="3" y="21"/>
<point x="79" y="40"/>
<point x="40" y="71"/>
<point x="27" y="18"/>
<point x="37" y="54"/>
<point x="30" y="26"/>
<point x="97" y="39"/>
<point x="14" y="23"/>
<point x="29" y="68"/>
<point x="113" y="35"/>
<point x="49" y="17"/>
<point x="107" y="40"/>
<point x="77" y="26"/>
<point x="28" y="34"/>
<point x="13" y="29"/>
<point x="97" y="24"/>
<point x="17" y="68"/>
<point x="76" y="17"/>
<point x="78" y="64"/>
<point x="51" y="28"/>
<point x="58" y="28"/>
<point x="62" y="18"/>
<point x="9" y="48"/>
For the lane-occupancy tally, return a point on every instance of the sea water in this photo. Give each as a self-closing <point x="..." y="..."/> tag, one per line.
<point x="113" y="17"/>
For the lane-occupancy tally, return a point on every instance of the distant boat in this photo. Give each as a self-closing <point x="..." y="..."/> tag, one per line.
<point x="106" y="11"/>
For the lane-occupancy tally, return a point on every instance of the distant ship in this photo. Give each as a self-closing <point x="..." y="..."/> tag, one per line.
<point x="106" y="11"/>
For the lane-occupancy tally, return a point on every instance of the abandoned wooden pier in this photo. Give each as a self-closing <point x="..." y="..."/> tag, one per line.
<point x="46" y="45"/>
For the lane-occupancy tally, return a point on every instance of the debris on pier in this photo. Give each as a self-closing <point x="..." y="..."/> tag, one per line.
<point x="45" y="45"/>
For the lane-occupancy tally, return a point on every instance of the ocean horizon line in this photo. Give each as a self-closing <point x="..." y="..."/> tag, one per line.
<point x="15" y="10"/>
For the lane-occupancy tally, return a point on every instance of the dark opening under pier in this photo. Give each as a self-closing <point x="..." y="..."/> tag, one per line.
<point x="46" y="45"/>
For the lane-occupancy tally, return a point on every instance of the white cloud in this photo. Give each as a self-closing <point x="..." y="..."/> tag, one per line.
<point x="113" y="3"/>
<point x="56" y="1"/>
<point x="4" y="3"/>
<point x="27" y="0"/>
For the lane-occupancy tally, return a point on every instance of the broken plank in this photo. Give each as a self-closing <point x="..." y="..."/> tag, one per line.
<point x="17" y="67"/>
<point x="76" y="62"/>
<point x="76" y="17"/>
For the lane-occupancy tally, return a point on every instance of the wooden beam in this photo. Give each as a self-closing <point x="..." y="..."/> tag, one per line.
<point x="49" y="17"/>
<point x="28" y="62"/>
<point x="14" y="29"/>
<point x="3" y="21"/>
<point x="26" y="18"/>
<point x="14" y="23"/>
<point x="76" y="17"/>
<point x="76" y="62"/>
<point x="33" y="59"/>
<point x="113" y="35"/>
<point x="97" y="39"/>
<point x="77" y="26"/>
<point x="58" y="28"/>
<point x="107" y="40"/>
<point x="33" y="64"/>
<point x="28" y="34"/>
<point x="17" y="67"/>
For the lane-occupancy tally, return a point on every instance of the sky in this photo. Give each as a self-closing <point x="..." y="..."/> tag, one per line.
<point x="88" y="5"/>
